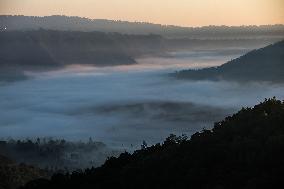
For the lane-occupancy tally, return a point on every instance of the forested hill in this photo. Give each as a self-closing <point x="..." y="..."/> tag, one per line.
<point x="265" y="64"/>
<point x="49" y="49"/>
<point x="242" y="151"/>
<point x="67" y="23"/>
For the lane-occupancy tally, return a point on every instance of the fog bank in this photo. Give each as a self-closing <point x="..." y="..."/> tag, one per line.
<point x="124" y="105"/>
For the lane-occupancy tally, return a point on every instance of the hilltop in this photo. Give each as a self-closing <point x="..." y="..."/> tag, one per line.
<point x="265" y="64"/>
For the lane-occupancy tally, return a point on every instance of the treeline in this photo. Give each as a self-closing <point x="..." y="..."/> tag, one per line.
<point x="244" y="150"/>
<point x="56" y="154"/>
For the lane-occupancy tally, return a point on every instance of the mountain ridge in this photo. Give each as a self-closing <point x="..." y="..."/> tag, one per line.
<point x="60" y="22"/>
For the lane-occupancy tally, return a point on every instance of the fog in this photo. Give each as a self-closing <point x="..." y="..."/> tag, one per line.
<point x="124" y="105"/>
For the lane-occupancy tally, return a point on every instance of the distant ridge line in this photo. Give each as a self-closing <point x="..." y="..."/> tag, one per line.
<point x="145" y="22"/>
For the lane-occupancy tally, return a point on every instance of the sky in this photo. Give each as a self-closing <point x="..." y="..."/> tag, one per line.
<point x="168" y="12"/>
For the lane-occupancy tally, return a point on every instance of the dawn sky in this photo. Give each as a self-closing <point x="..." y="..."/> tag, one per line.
<point x="172" y="12"/>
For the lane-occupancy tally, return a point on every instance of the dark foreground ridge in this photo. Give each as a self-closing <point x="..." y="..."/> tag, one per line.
<point x="243" y="151"/>
<point x="265" y="64"/>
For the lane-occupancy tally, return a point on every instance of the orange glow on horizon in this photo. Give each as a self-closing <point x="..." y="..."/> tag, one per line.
<point x="167" y="12"/>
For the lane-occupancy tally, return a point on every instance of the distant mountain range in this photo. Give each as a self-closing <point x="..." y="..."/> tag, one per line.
<point x="56" y="22"/>
<point x="265" y="64"/>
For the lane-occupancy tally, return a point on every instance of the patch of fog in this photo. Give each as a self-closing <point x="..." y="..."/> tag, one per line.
<point x="123" y="105"/>
<point x="173" y="61"/>
<point x="190" y="59"/>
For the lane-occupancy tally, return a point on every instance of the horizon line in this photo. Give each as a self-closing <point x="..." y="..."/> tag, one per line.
<point x="146" y="22"/>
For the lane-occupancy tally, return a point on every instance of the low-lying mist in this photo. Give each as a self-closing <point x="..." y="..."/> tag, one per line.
<point x="124" y="105"/>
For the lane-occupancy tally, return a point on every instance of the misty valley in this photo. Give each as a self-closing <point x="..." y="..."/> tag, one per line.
<point x="75" y="98"/>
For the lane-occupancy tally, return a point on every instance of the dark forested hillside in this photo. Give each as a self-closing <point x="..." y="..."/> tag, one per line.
<point x="242" y="151"/>
<point x="265" y="64"/>
<point x="47" y="49"/>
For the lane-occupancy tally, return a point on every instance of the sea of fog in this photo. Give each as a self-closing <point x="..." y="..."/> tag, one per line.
<point x="124" y="105"/>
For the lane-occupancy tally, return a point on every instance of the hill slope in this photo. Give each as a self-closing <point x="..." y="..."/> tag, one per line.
<point x="242" y="151"/>
<point x="265" y="64"/>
